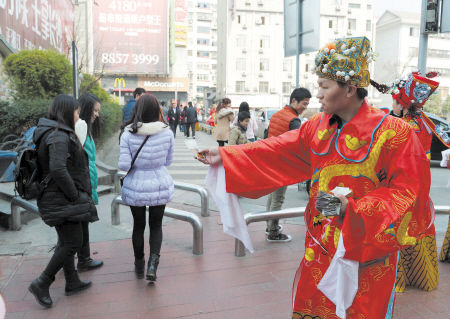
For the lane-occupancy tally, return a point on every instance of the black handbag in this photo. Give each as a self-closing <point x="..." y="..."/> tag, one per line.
<point x="132" y="162"/>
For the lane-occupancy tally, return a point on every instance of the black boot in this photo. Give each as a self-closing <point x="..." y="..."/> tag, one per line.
<point x="139" y="265"/>
<point x="39" y="288"/>
<point x="85" y="264"/>
<point x="73" y="283"/>
<point x="153" y="263"/>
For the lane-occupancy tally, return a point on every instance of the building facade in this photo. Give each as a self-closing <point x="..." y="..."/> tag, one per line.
<point x="398" y="47"/>
<point x="251" y="65"/>
<point x="202" y="48"/>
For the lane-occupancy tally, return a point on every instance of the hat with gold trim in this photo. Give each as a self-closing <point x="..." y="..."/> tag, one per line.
<point x="346" y="60"/>
<point x="416" y="89"/>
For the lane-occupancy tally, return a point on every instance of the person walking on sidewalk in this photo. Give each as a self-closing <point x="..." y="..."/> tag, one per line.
<point x="66" y="200"/>
<point x="238" y="132"/>
<point x="287" y="119"/>
<point x="183" y="118"/>
<point x="146" y="150"/>
<point x="191" y="119"/>
<point x="127" y="111"/>
<point x="224" y="117"/>
<point x="172" y="115"/>
<point x="86" y="128"/>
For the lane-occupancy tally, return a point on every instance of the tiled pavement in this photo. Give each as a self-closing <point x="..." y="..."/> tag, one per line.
<point x="215" y="285"/>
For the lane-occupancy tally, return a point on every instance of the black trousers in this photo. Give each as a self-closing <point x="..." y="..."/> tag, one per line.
<point x="155" y="225"/>
<point x="173" y="127"/>
<point x="222" y="143"/>
<point x="192" y="127"/>
<point x="85" y="251"/>
<point x="70" y="240"/>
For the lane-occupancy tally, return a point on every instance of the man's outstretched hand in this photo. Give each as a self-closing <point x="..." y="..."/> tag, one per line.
<point x="209" y="156"/>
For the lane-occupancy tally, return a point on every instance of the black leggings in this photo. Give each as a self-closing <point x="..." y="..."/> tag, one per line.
<point x="70" y="239"/>
<point x="222" y="143"/>
<point x="155" y="224"/>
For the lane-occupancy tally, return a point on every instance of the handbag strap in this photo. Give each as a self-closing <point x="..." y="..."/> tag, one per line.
<point x="135" y="155"/>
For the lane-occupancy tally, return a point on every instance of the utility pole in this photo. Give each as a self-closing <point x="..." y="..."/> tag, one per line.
<point x="299" y="44"/>
<point x="423" y="41"/>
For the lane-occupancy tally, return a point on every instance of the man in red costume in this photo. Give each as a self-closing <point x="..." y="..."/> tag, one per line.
<point x="353" y="145"/>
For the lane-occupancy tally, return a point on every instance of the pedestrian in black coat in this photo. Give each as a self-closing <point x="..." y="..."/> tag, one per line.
<point x="172" y="115"/>
<point x="66" y="201"/>
<point x="191" y="119"/>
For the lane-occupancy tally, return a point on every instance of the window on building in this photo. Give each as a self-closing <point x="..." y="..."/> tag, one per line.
<point x="352" y="24"/>
<point x="213" y="66"/>
<point x="264" y="65"/>
<point x="189" y="52"/>
<point x="202" y="54"/>
<point x="240" y="64"/>
<point x="240" y="86"/>
<point x="330" y="24"/>
<point x="286" y="87"/>
<point x="202" y="77"/>
<point x="264" y="42"/>
<point x="241" y="19"/>
<point x="241" y="40"/>
<point x="203" y="41"/>
<point x="213" y="54"/>
<point x="203" y="29"/>
<point x="369" y="7"/>
<point x="369" y="25"/>
<point x="413" y="31"/>
<point x="287" y="66"/>
<point x="263" y="87"/>
<point x="306" y="67"/>
<point x="263" y="20"/>
<point x="201" y="66"/>
<point x="354" y="6"/>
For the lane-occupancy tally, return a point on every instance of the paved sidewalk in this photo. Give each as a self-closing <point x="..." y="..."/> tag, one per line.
<point x="215" y="285"/>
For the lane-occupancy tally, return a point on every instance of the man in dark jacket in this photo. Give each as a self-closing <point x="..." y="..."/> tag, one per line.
<point x="191" y="119"/>
<point x="286" y="119"/>
<point x="172" y="115"/>
<point x="127" y="111"/>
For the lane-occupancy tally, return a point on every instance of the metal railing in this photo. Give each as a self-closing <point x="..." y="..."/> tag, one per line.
<point x="194" y="220"/>
<point x="239" y="248"/>
<point x="204" y="198"/>
<point x="17" y="203"/>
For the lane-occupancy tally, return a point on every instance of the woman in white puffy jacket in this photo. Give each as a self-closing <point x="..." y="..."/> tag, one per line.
<point x="149" y="182"/>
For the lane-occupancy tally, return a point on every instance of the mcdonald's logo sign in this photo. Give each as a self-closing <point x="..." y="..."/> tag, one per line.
<point x="118" y="82"/>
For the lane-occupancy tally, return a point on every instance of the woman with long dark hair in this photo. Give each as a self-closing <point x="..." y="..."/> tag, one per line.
<point x="148" y="182"/>
<point x="224" y="117"/>
<point x="66" y="200"/>
<point x="86" y="128"/>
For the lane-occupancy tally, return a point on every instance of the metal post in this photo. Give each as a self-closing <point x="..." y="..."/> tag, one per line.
<point x="423" y="41"/>
<point x="297" y="53"/>
<point x="115" y="210"/>
<point x="15" y="222"/>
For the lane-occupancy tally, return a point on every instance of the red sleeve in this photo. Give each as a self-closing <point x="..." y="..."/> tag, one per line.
<point x="256" y="169"/>
<point x="395" y="216"/>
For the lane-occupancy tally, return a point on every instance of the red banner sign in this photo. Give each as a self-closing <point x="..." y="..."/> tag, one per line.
<point x="131" y="37"/>
<point x="37" y="24"/>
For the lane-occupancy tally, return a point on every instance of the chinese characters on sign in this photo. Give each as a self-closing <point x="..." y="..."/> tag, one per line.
<point x="131" y="37"/>
<point x="181" y="28"/>
<point x="37" y="24"/>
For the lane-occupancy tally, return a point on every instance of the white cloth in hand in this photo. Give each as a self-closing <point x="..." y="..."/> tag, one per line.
<point x="229" y="206"/>
<point x="340" y="282"/>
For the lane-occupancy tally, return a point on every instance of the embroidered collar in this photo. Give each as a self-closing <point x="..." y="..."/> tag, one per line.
<point x="355" y="138"/>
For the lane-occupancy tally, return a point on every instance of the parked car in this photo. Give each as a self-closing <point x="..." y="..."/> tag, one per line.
<point x="263" y="118"/>
<point x="436" y="145"/>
